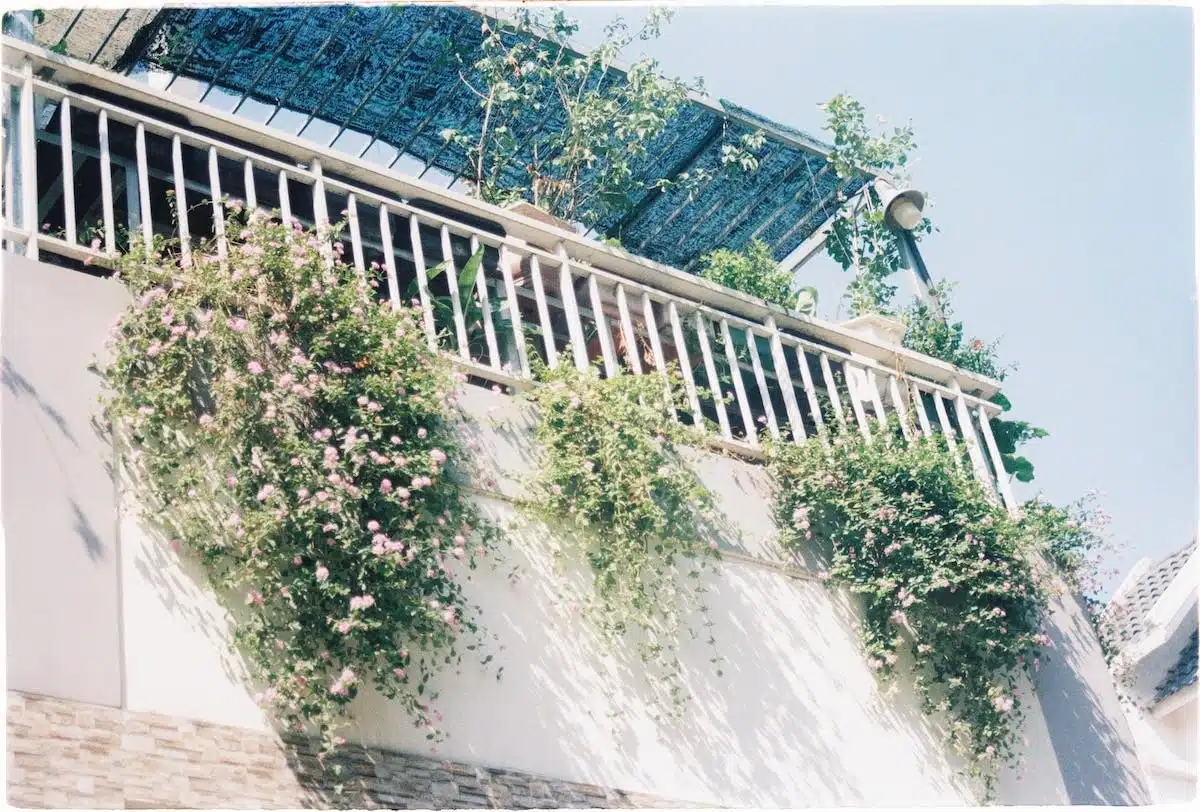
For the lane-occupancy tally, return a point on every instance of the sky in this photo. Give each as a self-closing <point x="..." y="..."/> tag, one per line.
<point x="1056" y="145"/>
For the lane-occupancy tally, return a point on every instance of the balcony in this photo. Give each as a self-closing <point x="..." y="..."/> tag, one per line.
<point x="94" y="163"/>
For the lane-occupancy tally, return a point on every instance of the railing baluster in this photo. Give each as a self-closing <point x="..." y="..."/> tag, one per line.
<point x="714" y="383"/>
<point x="285" y="203"/>
<point x="685" y="364"/>
<point x="321" y="213"/>
<point x="29" y="163"/>
<point x="514" y="310"/>
<point x="611" y="367"/>
<point x="251" y="192"/>
<point x="106" y="187"/>
<point x="656" y="351"/>
<point x="761" y="379"/>
<point x="968" y="433"/>
<point x="356" y="246"/>
<point x="143" y="191"/>
<point x="7" y="172"/>
<point x="877" y="402"/>
<point x="460" y="324"/>
<point x="919" y="407"/>
<point x="860" y="414"/>
<point x="181" y="209"/>
<point x="414" y="233"/>
<point x="898" y="405"/>
<point x="739" y="386"/>
<point x="985" y="428"/>
<point x="218" y="209"/>
<point x="566" y="289"/>
<point x="389" y="257"/>
<point x="543" y="309"/>
<point x="68" y="161"/>
<point x="485" y="306"/>
<point x="631" y="343"/>
<point x="835" y="399"/>
<point x="947" y="429"/>
<point x="784" y="376"/>
<point x="810" y="391"/>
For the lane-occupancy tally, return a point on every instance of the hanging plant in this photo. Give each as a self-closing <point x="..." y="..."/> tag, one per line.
<point x="296" y="434"/>
<point x="611" y="474"/>
<point x="947" y="578"/>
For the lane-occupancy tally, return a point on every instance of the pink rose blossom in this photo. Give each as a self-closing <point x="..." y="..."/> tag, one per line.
<point x="322" y="573"/>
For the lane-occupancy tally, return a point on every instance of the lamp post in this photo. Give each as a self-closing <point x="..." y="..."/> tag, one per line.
<point x="902" y="213"/>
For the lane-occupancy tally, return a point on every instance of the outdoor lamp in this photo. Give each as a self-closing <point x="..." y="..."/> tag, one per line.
<point x="901" y="208"/>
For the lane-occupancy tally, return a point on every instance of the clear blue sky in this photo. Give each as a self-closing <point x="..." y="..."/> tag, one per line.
<point x="1057" y="145"/>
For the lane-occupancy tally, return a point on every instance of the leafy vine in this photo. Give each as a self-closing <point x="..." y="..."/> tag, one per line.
<point x="948" y="579"/>
<point x="612" y="473"/>
<point x="295" y="433"/>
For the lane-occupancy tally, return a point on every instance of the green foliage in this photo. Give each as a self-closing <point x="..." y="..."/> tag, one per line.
<point x="938" y="337"/>
<point x="1011" y="435"/>
<point x="755" y="271"/>
<point x="860" y="240"/>
<point x="947" y="578"/>
<point x="927" y="332"/>
<point x="295" y="434"/>
<point x="611" y="472"/>
<point x="586" y="126"/>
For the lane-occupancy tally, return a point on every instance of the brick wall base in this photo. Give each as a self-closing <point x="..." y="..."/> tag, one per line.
<point x="76" y="755"/>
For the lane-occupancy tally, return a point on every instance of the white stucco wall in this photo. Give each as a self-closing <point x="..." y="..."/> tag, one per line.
<point x="796" y="720"/>
<point x="1166" y="745"/>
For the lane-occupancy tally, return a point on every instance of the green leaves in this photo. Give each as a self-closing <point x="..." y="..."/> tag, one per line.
<point x="755" y="271"/>
<point x="611" y="473"/>
<point x="295" y="433"/>
<point x="860" y="240"/>
<point x="944" y="575"/>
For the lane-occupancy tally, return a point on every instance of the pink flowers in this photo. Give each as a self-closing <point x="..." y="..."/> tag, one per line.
<point x="254" y="368"/>
<point x="422" y="433"/>
<point x="362" y="602"/>
<point x="437" y="455"/>
<point x="385" y="486"/>
<point x="265" y="492"/>
<point x="344" y="627"/>
<point x="373" y="526"/>
<point x="1003" y="703"/>
<point x="237" y="324"/>
<point x="254" y="597"/>
<point x="322" y="573"/>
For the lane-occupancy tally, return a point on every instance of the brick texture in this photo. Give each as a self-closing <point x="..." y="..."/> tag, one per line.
<point x="64" y="754"/>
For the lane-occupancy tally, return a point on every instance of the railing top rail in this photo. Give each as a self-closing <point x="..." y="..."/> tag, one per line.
<point x="524" y="233"/>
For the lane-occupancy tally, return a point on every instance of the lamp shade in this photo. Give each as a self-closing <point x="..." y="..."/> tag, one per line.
<point x="901" y="208"/>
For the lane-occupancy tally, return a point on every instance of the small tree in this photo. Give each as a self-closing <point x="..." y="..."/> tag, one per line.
<point x="860" y="240"/>
<point x="567" y="130"/>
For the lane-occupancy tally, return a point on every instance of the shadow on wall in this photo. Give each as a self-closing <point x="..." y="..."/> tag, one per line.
<point x="1088" y="729"/>
<point x="19" y="386"/>
<point x="795" y="719"/>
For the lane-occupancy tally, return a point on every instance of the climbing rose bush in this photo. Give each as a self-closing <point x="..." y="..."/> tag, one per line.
<point x="296" y="433"/>
<point x="949" y="581"/>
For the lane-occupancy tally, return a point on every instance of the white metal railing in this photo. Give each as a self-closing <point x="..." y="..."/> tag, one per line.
<point x="747" y="367"/>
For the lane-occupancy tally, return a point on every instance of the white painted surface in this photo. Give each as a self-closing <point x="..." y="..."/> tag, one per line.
<point x="177" y="655"/>
<point x="1166" y="746"/>
<point x="796" y="720"/>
